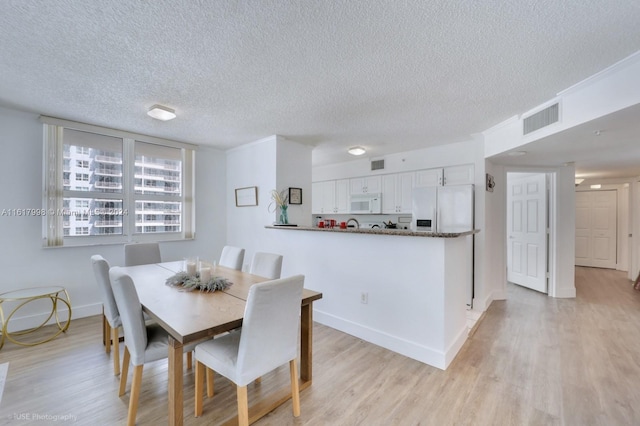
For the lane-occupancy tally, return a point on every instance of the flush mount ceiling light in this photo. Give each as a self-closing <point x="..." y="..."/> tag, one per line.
<point x="356" y="150"/>
<point x="597" y="186"/>
<point x="163" y="113"/>
<point x="517" y="153"/>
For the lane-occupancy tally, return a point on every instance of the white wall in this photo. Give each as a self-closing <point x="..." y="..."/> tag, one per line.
<point x="26" y="264"/>
<point x="270" y="163"/>
<point x="562" y="256"/>
<point x="494" y="250"/>
<point x="293" y="165"/>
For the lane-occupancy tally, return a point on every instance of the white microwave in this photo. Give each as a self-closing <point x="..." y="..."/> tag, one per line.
<point x="365" y="203"/>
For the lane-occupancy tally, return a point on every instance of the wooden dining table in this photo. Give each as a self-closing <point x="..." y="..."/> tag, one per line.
<point x="192" y="316"/>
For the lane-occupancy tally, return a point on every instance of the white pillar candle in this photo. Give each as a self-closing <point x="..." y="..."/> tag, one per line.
<point x="191" y="268"/>
<point x="205" y="274"/>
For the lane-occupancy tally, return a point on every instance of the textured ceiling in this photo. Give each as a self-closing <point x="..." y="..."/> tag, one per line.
<point x="389" y="75"/>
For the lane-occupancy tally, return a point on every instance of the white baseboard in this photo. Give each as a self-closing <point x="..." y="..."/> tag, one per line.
<point x="422" y="353"/>
<point x="455" y="346"/>
<point x="566" y="293"/>
<point x="473" y="315"/>
<point x="483" y="304"/>
<point x="34" y="320"/>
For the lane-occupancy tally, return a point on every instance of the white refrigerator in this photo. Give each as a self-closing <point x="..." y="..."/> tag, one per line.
<point x="446" y="209"/>
<point x="443" y="208"/>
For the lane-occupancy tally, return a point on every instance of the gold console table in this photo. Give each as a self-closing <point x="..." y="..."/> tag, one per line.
<point x="27" y="295"/>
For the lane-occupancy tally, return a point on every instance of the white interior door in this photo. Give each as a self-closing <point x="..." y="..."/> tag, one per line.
<point x="527" y="230"/>
<point x="596" y="233"/>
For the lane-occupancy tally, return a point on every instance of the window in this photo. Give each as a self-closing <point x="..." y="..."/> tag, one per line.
<point x="82" y="230"/>
<point x="125" y="186"/>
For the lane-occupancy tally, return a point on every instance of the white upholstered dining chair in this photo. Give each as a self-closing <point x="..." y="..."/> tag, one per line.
<point x="142" y="343"/>
<point x="232" y="257"/>
<point x="141" y="254"/>
<point x="267" y="340"/>
<point x="111" y="314"/>
<point x="268" y="265"/>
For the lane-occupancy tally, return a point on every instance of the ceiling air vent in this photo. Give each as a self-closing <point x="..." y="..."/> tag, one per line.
<point x="541" y="119"/>
<point x="377" y="164"/>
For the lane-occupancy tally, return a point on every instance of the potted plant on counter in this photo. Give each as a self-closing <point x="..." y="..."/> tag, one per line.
<point x="279" y="200"/>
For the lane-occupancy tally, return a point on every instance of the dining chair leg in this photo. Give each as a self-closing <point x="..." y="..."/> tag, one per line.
<point x="116" y="351"/>
<point x="209" y="383"/>
<point x="189" y="360"/>
<point x="295" y="390"/>
<point x="135" y="394"/>
<point x="125" y="371"/>
<point x="106" y="331"/>
<point x="243" y="406"/>
<point x="105" y="326"/>
<point x="200" y="368"/>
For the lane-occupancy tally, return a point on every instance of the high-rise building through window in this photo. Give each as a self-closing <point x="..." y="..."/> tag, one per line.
<point x="100" y="170"/>
<point x="115" y="186"/>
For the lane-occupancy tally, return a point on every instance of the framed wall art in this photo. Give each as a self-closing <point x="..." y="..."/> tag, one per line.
<point x="295" y="195"/>
<point x="247" y="196"/>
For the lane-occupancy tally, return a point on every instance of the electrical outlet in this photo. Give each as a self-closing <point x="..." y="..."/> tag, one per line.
<point x="364" y="298"/>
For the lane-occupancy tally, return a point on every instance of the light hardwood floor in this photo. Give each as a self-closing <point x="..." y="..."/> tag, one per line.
<point x="533" y="360"/>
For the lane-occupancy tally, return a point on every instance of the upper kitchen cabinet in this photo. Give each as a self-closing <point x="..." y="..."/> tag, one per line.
<point x="454" y="175"/>
<point x="330" y="196"/>
<point x="342" y="196"/>
<point x="458" y="175"/>
<point x="396" y="193"/>
<point x="430" y="177"/>
<point x="366" y="185"/>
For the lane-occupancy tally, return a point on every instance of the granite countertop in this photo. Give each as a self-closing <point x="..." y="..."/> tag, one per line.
<point x="377" y="231"/>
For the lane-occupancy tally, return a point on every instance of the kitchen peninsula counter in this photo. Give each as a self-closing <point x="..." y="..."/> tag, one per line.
<point x="378" y="231"/>
<point x="403" y="290"/>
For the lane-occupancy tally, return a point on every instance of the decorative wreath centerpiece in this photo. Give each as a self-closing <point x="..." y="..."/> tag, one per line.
<point x="193" y="282"/>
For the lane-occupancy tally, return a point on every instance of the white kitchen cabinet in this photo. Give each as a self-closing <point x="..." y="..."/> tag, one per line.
<point x="317" y="196"/>
<point x="330" y="196"/>
<point x="366" y="185"/>
<point x="454" y="175"/>
<point x="429" y="177"/>
<point x="458" y="175"/>
<point x="342" y="196"/>
<point x="389" y="193"/>
<point x="404" y="189"/>
<point x="396" y="192"/>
